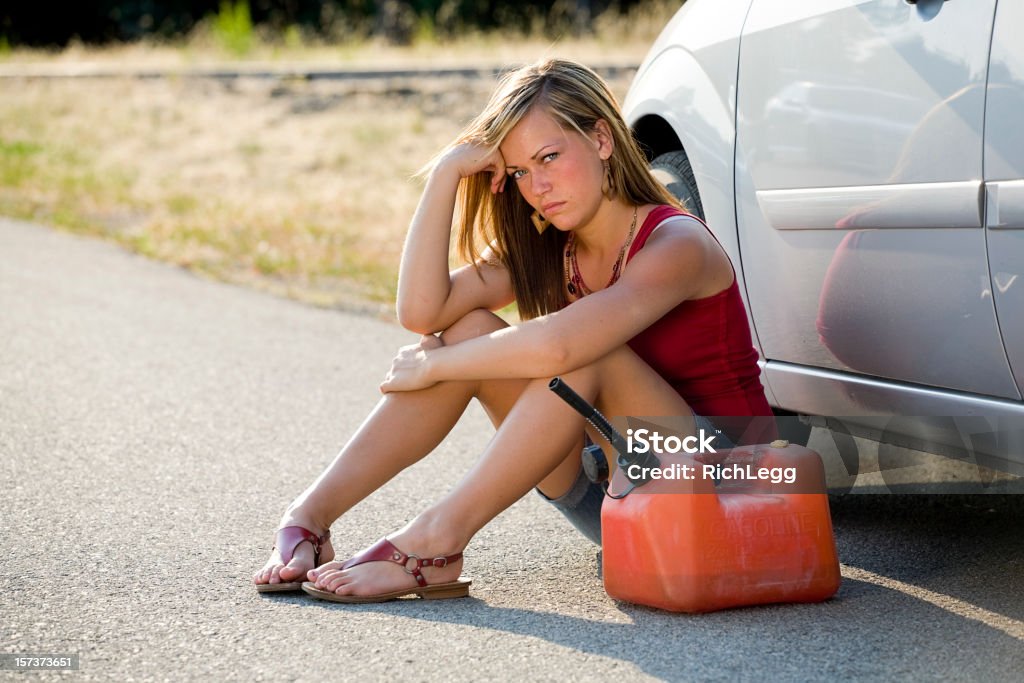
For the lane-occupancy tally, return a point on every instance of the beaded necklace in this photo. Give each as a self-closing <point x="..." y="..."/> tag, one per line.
<point x="574" y="279"/>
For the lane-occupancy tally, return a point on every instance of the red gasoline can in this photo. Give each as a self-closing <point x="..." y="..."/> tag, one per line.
<point x="749" y="526"/>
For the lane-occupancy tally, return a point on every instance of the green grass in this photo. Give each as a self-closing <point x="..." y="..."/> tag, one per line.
<point x="18" y="149"/>
<point x="57" y="184"/>
<point x="233" y="28"/>
<point x="18" y="162"/>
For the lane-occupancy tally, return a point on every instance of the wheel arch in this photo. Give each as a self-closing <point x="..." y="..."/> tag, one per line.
<point x="680" y="103"/>
<point x="656" y="136"/>
<point x="676" y="104"/>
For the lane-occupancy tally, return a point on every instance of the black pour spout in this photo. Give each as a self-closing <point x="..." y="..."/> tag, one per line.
<point x="592" y="415"/>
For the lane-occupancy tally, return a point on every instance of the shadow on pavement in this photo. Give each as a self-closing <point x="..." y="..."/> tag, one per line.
<point x="966" y="548"/>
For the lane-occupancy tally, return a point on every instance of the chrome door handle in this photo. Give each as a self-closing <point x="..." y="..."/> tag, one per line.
<point x="927" y="9"/>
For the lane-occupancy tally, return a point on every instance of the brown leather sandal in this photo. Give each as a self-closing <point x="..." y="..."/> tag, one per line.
<point x="384" y="551"/>
<point x="287" y="540"/>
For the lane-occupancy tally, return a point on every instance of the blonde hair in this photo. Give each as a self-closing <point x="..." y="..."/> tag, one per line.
<point x="577" y="98"/>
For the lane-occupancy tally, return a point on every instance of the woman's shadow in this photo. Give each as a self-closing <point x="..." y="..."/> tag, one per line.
<point x="951" y="545"/>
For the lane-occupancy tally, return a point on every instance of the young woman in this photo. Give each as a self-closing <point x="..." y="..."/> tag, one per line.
<point x="626" y="297"/>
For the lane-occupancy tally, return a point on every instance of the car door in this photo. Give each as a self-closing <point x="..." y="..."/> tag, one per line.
<point x="1004" y="179"/>
<point x="859" y="190"/>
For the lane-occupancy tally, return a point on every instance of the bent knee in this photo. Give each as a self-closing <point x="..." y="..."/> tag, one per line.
<point x="476" y="323"/>
<point x="620" y="360"/>
<point x="618" y="370"/>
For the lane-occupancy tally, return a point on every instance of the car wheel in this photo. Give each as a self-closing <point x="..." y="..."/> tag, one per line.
<point x="791" y="428"/>
<point x="673" y="170"/>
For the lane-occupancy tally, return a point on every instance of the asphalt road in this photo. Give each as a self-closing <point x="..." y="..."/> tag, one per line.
<point x="153" y="425"/>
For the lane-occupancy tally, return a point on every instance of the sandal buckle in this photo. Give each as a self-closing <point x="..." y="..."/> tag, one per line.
<point x="443" y="562"/>
<point x="416" y="564"/>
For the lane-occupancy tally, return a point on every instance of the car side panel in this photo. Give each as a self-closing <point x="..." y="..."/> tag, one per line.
<point x="987" y="432"/>
<point x="859" y="191"/>
<point x="1004" y="176"/>
<point x="704" y="125"/>
<point x="688" y="81"/>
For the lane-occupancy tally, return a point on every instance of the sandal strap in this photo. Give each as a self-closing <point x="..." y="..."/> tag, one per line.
<point x="385" y="551"/>
<point x="288" y="539"/>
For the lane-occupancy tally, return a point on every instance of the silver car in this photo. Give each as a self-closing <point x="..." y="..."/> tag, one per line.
<point x="862" y="161"/>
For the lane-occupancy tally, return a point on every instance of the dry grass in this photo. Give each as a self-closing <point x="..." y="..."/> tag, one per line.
<point x="301" y="187"/>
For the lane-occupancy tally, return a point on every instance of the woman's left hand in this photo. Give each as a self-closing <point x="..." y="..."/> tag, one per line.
<point x="409" y="368"/>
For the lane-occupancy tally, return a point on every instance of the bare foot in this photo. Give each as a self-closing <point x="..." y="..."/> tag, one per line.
<point x="277" y="571"/>
<point x="374" y="578"/>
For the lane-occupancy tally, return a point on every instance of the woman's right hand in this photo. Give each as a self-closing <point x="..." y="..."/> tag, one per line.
<point x="470" y="158"/>
<point x="409" y="368"/>
<point x="430" y="297"/>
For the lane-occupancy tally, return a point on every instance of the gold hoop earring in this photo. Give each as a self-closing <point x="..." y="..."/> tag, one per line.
<point x="539" y="222"/>
<point x="608" y="185"/>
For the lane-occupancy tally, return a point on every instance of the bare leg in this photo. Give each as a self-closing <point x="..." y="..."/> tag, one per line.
<point x="378" y="451"/>
<point x="530" y="448"/>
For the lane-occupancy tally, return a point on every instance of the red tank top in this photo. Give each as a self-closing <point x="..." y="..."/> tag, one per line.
<point x="703" y="348"/>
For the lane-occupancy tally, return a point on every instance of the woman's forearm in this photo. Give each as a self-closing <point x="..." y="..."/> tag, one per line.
<point x="423" y="278"/>
<point x="512" y="353"/>
<point x="567" y="339"/>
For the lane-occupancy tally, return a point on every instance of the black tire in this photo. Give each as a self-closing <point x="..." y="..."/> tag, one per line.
<point x="791" y="428"/>
<point x="673" y="170"/>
